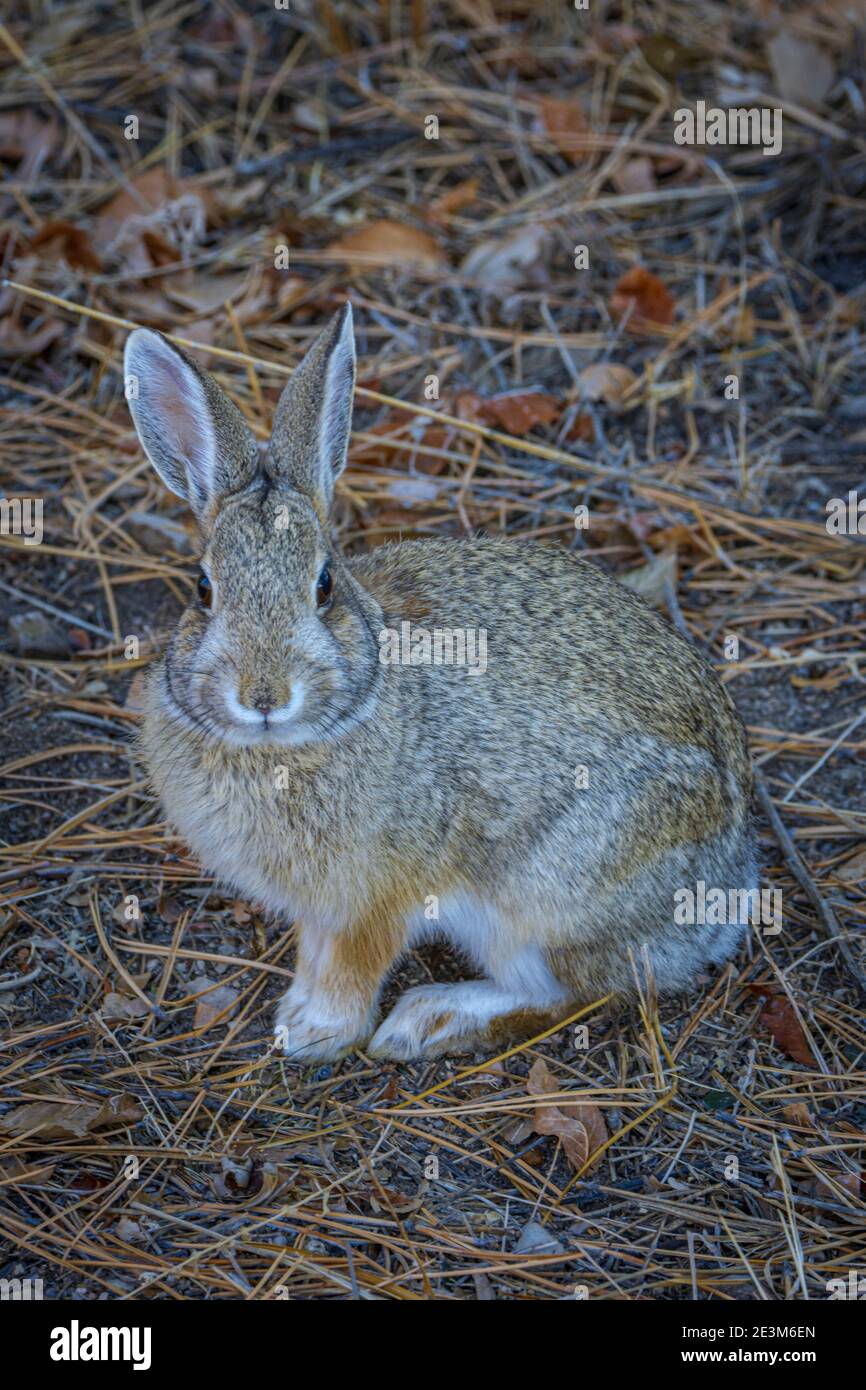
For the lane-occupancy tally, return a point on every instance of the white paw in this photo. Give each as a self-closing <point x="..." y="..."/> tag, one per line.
<point x="306" y="1033"/>
<point x="429" y="1021"/>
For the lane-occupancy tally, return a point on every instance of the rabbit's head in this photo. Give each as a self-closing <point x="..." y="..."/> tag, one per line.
<point x="280" y="642"/>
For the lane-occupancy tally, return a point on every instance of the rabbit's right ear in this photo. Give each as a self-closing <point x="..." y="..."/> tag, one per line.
<point x="195" y="437"/>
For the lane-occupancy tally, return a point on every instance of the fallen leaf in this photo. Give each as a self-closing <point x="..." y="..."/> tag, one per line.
<point x="583" y="429"/>
<point x="580" y="1127"/>
<point x="156" y="533"/>
<point x="129" y="1230"/>
<point x="854" y="869"/>
<point x="389" y="243"/>
<point x="35" y="634"/>
<point x="65" y="240"/>
<point x="650" y="580"/>
<point x="634" y="176"/>
<point x="215" y="1000"/>
<point x="204" y="293"/>
<point x="23" y="340"/>
<point x="158" y="221"/>
<point x="118" y="1008"/>
<point x="798" y="1114"/>
<point x="606" y="381"/>
<point x="24" y="1172"/>
<point x="778" y="1016"/>
<point x="803" y="73"/>
<point x="668" y="56"/>
<point x="535" y="1240"/>
<point x="566" y="124"/>
<point x="506" y="262"/>
<point x="643" y="296"/>
<point x="454" y="200"/>
<point x="52" y="1119"/>
<point x="517" y="412"/>
<point x="27" y="137"/>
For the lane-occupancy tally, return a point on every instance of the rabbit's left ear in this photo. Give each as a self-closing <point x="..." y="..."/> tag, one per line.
<point x="310" y="435"/>
<point x="195" y="437"/>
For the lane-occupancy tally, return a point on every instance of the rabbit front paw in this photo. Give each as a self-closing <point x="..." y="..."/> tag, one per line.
<point x="308" y="1033"/>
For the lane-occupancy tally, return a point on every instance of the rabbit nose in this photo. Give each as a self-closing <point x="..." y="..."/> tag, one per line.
<point x="258" y="697"/>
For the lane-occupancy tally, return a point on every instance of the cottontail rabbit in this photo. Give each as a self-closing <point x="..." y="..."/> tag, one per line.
<point x="541" y="807"/>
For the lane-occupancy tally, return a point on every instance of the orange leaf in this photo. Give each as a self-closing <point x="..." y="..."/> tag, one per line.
<point x="777" y="1015"/>
<point x="606" y="381"/>
<point x="580" y="1127"/>
<point x="642" y="295"/>
<point x="567" y="127"/>
<point x="389" y="243"/>
<point x="454" y="200"/>
<point x="519" y="411"/>
<point x="68" y="241"/>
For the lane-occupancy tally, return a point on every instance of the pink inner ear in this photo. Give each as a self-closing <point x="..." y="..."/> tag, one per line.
<point x="178" y="410"/>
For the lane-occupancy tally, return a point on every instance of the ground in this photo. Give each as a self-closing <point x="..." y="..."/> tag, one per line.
<point x="693" y="379"/>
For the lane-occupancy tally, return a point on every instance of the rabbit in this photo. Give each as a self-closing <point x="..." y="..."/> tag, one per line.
<point x="541" y="809"/>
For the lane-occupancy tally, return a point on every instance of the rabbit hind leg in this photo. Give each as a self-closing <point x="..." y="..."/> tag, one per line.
<point x="444" y="1020"/>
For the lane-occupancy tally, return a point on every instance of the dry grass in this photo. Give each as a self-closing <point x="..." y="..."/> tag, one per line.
<point x="733" y="1171"/>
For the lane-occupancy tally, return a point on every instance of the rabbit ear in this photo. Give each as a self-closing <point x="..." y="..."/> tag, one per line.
<point x="311" y="426"/>
<point x="195" y="437"/>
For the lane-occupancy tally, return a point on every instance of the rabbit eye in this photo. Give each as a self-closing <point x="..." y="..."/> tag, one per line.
<point x="204" y="589"/>
<point x="324" y="586"/>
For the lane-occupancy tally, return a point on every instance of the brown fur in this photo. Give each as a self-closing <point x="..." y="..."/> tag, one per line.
<point x="400" y="786"/>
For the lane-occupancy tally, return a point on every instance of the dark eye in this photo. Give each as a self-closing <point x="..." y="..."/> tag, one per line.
<point x="204" y="590"/>
<point x="324" y="586"/>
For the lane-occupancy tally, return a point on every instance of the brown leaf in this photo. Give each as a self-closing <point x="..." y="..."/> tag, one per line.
<point x="66" y="241"/>
<point x="23" y="340"/>
<point x="159" y="221"/>
<point x="778" y="1016"/>
<point x="798" y="1114"/>
<point x="644" y="297"/>
<point x="215" y="1000"/>
<point x="803" y="73"/>
<point x="505" y="263"/>
<point x="854" y="869"/>
<point x="579" y="1126"/>
<point x="635" y="176"/>
<point x="583" y="429"/>
<point x="27" y="137"/>
<point x="517" y="412"/>
<point x="454" y="200"/>
<point x="389" y="243"/>
<point x="567" y="127"/>
<point x="668" y="56"/>
<point x="606" y="381"/>
<point x="51" y="1119"/>
<point x="650" y="580"/>
<point x="118" y="1008"/>
<point x="29" y="1172"/>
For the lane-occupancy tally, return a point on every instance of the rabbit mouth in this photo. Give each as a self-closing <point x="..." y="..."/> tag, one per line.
<point x="264" y="718"/>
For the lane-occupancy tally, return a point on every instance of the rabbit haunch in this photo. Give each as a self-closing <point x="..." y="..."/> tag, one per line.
<point x="384" y="788"/>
